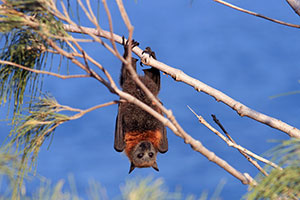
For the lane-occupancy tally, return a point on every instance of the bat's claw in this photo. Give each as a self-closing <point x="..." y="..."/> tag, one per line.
<point x="133" y="43"/>
<point x="149" y="51"/>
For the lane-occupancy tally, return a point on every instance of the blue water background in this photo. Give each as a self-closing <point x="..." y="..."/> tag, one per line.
<point x="247" y="58"/>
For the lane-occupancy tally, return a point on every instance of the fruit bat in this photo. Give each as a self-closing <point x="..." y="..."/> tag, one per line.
<point x="137" y="132"/>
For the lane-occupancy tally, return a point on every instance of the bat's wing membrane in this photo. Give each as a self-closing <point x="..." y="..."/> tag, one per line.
<point x="119" y="143"/>
<point x="153" y="74"/>
<point x="163" y="146"/>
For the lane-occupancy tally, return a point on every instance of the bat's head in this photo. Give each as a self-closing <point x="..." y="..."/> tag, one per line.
<point x="143" y="155"/>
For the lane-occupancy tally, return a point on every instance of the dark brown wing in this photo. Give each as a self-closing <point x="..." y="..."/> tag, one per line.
<point x="163" y="146"/>
<point x="119" y="143"/>
<point x="153" y="74"/>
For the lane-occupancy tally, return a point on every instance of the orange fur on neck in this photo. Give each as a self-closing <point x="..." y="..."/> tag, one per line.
<point x="133" y="138"/>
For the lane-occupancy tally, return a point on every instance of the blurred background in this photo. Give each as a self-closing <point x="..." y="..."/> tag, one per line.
<point x="247" y="58"/>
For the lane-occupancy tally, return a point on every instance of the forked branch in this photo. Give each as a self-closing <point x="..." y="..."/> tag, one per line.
<point x="243" y="153"/>
<point x="233" y="144"/>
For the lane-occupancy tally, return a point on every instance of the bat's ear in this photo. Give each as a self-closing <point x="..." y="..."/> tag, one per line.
<point x="154" y="166"/>
<point x="132" y="167"/>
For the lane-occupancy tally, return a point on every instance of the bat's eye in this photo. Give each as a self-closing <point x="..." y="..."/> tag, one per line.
<point x="140" y="155"/>
<point x="150" y="154"/>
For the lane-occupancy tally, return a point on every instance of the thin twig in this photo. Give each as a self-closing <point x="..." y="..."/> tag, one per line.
<point x="93" y="19"/>
<point x="256" y="14"/>
<point x="231" y="144"/>
<point x="44" y="72"/>
<point x="76" y="62"/>
<point x="244" y="154"/>
<point x="111" y="30"/>
<point x="93" y="73"/>
<point x="83" y="112"/>
<point x="80" y="111"/>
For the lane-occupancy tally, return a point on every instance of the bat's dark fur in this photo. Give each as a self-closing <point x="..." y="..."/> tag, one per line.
<point x="137" y="132"/>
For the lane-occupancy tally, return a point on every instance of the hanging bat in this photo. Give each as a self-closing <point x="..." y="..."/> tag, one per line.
<point x="137" y="132"/>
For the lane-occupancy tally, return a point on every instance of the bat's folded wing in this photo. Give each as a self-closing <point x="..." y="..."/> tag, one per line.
<point x="119" y="143"/>
<point x="163" y="146"/>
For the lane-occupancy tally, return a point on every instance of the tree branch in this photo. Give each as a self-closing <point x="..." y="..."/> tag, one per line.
<point x="243" y="153"/>
<point x="232" y="144"/>
<point x="44" y="72"/>
<point x="83" y="112"/>
<point x="180" y="76"/>
<point x="256" y="14"/>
